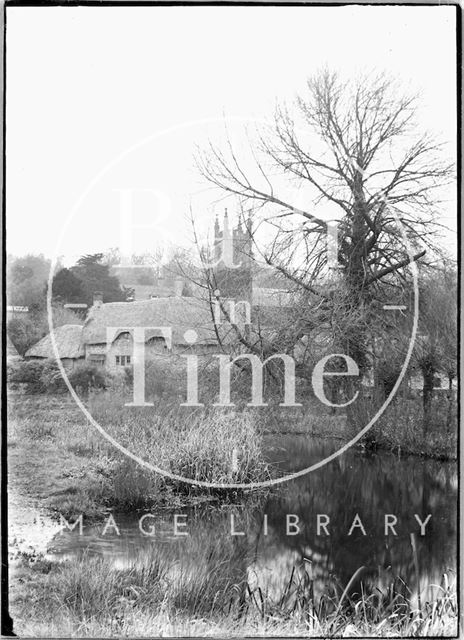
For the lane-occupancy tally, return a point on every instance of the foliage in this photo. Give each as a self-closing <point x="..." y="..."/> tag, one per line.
<point x="51" y="378"/>
<point x="26" y="280"/>
<point x="66" y="287"/>
<point x="95" y="276"/>
<point x="25" y="371"/>
<point x="44" y="376"/>
<point x="39" y="376"/>
<point x="436" y="349"/>
<point x="85" y="376"/>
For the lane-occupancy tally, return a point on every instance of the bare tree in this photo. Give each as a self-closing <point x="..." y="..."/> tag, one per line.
<point x="356" y="150"/>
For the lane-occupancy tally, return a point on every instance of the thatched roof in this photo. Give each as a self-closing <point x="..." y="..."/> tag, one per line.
<point x="68" y="341"/>
<point x="179" y="313"/>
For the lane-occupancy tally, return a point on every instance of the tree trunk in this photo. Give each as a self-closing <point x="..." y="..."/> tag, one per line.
<point x="449" y="415"/>
<point x="355" y="335"/>
<point x="427" y="395"/>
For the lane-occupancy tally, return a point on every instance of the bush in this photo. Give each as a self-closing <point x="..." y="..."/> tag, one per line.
<point x="44" y="376"/>
<point x="51" y="379"/>
<point x="39" y="376"/>
<point x="165" y="378"/>
<point x="25" y="370"/>
<point x="29" y="373"/>
<point x="402" y="427"/>
<point x="87" y="376"/>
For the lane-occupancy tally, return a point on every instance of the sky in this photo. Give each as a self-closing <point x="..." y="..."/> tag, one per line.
<point x="106" y="106"/>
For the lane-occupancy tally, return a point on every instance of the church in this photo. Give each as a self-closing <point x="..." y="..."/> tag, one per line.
<point x="256" y="283"/>
<point x="259" y="284"/>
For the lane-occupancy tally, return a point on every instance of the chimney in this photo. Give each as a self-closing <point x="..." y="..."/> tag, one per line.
<point x="97" y="299"/>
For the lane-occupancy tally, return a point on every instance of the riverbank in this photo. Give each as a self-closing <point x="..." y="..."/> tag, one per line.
<point x="59" y="460"/>
<point x="58" y="464"/>
<point x="88" y="597"/>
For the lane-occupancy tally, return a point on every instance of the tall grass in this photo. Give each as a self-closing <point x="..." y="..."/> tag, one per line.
<point x="212" y="445"/>
<point x="89" y="597"/>
<point x="401" y="428"/>
<point x="90" y="474"/>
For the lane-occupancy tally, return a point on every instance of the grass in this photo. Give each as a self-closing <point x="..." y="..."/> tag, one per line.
<point x="85" y="474"/>
<point x="56" y="457"/>
<point x="190" y="443"/>
<point x="401" y="429"/>
<point x="88" y="597"/>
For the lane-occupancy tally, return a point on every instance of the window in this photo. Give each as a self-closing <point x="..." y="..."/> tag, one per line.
<point x="123" y="360"/>
<point x="97" y="358"/>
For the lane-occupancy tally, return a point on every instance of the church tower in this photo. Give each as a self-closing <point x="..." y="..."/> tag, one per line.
<point x="235" y="283"/>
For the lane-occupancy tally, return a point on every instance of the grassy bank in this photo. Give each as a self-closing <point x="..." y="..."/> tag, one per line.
<point x="87" y="597"/>
<point x="58" y="458"/>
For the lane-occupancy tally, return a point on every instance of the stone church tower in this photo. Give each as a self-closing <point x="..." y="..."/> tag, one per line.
<point x="235" y="283"/>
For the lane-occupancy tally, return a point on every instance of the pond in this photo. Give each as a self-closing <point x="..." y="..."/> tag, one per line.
<point x="353" y="495"/>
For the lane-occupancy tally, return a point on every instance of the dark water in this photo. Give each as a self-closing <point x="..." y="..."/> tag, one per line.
<point x="370" y="486"/>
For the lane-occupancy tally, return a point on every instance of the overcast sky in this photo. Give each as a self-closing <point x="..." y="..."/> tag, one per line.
<point x="101" y="99"/>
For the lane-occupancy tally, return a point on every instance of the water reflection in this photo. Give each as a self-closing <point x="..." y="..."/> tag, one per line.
<point x="264" y="553"/>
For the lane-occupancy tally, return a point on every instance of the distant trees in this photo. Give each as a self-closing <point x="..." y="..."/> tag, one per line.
<point x="88" y="275"/>
<point x="27" y="286"/>
<point x="26" y="279"/>
<point x="66" y="287"/>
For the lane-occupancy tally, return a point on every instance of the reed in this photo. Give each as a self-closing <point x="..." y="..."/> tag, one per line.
<point x="154" y="597"/>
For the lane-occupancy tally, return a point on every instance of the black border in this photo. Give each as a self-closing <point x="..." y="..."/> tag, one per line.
<point x="6" y="621"/>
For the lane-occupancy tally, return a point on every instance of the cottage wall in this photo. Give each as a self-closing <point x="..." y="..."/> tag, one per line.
<point x="68" y="363"/>
<point x="122" y="348"/>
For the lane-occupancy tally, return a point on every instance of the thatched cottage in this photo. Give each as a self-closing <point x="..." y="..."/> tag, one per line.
<point x="69" y="344"/>
<point x="182" y="315"/>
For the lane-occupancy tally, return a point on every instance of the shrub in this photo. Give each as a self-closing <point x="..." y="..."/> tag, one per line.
<point x="86" y="376"/>
<point x="24" y="370"/>
<point x="28" y="372"/>
<point x="39" y="376"/>
<point x="51" y="379"/>
<point x="165" y="378"/>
